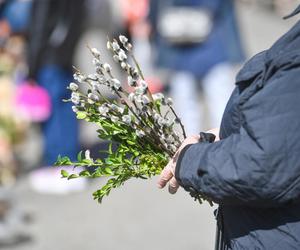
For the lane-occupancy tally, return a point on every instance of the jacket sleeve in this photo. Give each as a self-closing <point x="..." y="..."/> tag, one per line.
<point x="259" y="165"/>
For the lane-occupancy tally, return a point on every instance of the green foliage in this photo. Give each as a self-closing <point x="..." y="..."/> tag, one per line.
<point x="128" y="160"/>
<point x="81" y="115"/>
<point x="132" y="158"/>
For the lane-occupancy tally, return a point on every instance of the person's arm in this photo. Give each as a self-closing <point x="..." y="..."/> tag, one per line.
<point x="260" y="165"/>
<point x="37" y="35"/>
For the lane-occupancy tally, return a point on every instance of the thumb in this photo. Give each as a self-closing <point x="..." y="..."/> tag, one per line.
<point x="165" y="176"/>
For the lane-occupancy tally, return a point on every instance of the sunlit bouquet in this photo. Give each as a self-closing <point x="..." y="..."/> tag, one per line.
<point x="144" y="128"/>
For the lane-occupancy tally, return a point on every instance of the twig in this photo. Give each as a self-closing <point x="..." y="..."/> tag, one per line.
<point x="180" y="123"/>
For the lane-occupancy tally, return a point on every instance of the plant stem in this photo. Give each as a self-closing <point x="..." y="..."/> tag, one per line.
<point x="180" y="123"/>
<point x="142" y="76"/>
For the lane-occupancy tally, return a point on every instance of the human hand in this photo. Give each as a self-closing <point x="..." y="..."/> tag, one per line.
<point x="168" y="173"/>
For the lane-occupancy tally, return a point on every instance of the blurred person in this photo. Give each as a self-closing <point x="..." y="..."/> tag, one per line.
<point x="250" y="166"/>
<point x="196" y="41"/>
<point x="54" y="31"/>
<point x="12" y="226"/>
<point x="13" y="20"/>
<point x="16" y="13"/>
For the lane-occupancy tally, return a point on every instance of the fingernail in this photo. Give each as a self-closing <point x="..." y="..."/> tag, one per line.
<point x="172" y="191"/>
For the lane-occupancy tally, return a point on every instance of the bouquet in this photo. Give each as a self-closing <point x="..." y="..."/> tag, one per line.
<point x="144" y="127"/>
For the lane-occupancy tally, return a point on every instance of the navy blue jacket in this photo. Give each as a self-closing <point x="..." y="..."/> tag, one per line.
<point x="253" y="172"/>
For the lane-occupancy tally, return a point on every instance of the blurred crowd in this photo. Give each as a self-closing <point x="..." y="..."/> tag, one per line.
<point x="188" y="48"/>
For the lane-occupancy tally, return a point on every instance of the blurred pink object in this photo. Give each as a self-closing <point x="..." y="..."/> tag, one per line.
<point x="154" y="84"/>
<point x="33" y="102"/>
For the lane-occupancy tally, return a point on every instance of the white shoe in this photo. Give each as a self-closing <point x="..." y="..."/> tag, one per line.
<point x="47" y="180"/>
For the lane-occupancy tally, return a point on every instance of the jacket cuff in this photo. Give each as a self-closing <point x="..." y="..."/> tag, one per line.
<point x="178" y="164"/>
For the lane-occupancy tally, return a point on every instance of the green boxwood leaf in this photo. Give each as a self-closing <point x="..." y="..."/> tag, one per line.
<point x="64" y="173"/>
<point x="85" y="173"/>
<point x="79" y="156"/>
<point x="108" y="171"/>
<point x="72" y="176"/>
<point x="80" y="115"/>
<point x="130" y="142"/>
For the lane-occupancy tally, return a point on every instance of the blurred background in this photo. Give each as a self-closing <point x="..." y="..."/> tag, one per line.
<point x="189" y="49"/>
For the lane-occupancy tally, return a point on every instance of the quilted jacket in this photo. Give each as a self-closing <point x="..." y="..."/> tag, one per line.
<point x="253" y="172"/>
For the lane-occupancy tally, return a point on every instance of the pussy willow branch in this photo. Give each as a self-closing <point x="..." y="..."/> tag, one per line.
<point x="149" y="138"/>
<point x="141" y="75"/>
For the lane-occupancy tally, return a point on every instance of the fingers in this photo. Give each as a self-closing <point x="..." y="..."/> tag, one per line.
<point x="173" y="186"/>
<point x="168" y="176"/>
<point x="165" y="176"/>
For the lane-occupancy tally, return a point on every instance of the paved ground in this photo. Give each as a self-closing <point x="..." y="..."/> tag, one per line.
<point x="138" y="215"/>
